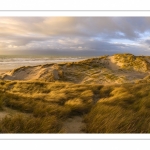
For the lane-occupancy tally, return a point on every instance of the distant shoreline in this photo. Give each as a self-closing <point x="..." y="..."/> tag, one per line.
<point x="8" y="64"/>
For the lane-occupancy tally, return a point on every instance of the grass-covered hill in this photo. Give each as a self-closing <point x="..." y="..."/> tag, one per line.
<point x="45" y="107"/>
<point x="77" y="97"/>
<point x="119" y="68"/>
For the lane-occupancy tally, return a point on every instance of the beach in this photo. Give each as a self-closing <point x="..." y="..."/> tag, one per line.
<point x="8" y="63"/>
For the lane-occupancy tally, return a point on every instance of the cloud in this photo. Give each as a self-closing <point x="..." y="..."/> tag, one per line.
<point x="92" y="35"/>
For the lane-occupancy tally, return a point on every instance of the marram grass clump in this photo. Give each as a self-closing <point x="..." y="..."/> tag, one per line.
<point x="45" y="106"/>
<point x="125" y="109"/>
<point x="23" y="124"/>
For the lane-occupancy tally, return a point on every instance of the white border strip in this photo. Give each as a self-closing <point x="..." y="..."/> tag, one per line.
<point x="74" y="13"/>
<point x="75" y="136"/>
<point x="74" y="5"/>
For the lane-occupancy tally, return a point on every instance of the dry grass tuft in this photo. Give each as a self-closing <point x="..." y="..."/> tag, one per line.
<point x="121" y="108"/>
<point x="124" y="110"/>
<point x="23" y="124"/>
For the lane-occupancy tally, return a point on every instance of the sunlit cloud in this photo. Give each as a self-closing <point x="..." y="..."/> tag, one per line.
<point x="74" y="35"/>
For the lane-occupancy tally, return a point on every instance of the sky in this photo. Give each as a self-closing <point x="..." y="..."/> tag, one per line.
<point x="81" y="36"/>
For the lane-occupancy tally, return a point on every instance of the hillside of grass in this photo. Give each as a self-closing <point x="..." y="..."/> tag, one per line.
<point x="118" y="69"/>
<point x="43" y="107"/>
<point x="131" y="62"/>
<point x="107" y="94"/>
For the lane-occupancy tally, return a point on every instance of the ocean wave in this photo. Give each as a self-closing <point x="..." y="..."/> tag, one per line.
<point x="14" y="62"/>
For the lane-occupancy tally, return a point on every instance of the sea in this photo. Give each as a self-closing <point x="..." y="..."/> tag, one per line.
<point x="10" y="62"/>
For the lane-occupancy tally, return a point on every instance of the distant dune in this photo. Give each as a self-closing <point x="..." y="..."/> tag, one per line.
<point x="119" y="68"/>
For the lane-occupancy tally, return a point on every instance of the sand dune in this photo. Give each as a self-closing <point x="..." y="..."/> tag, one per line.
<point x="94" y="105"/>
<point x="119" y="68"/>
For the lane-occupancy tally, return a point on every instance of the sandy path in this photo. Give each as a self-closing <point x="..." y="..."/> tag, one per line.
<point x="3" y="114"/>
<point x="6" y="111"/>
<point x="74" y="125"/>
<point x="112" y="64"/>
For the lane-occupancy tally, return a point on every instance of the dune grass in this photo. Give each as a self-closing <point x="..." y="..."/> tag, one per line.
<point x="121" y="108"/>
<point x="1" y="101"/>
<point x="125" y="109"/>
<point x="31" y="98"/>
<point x="23" y="124"/>
<point x="131" y="62"/>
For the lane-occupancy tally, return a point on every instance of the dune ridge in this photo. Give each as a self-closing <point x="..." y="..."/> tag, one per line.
<point x="119" y="68"/>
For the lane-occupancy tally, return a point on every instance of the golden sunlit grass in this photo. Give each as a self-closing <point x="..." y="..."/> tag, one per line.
<point x="106" y="109"/>
<point x="124" y="110"/>
<point x="1" y="101"/>
<point x="62" y="100"/>
<point x="130" y="62"/>
<point x="23" y="124"/>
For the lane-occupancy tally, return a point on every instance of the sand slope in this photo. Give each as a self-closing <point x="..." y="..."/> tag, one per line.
<point x="119" y="68"/>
